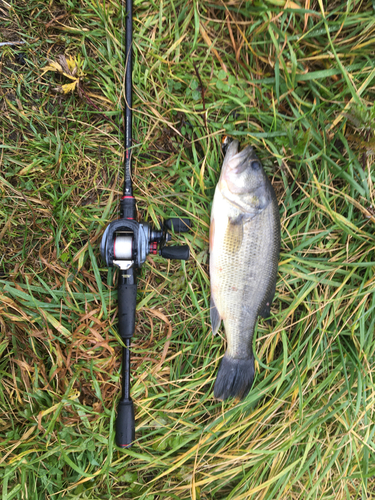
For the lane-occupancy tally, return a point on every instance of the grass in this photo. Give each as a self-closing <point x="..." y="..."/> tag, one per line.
<point x="298" y="83"/>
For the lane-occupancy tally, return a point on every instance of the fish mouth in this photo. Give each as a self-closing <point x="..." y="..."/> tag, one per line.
<point x="232" y="151"/>
<point x="235" y="163"/>
<point x="237" y="160"/>
<point x="229" y="142"/>
<point x="242" y="160"/>
<point x="248" y="153"/>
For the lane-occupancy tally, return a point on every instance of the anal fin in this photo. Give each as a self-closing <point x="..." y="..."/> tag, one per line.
<point x="265" y="312"/>
<point x="265" y="308"/>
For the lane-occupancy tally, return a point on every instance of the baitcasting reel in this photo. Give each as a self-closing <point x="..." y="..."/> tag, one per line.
<point x="126" y="244"/>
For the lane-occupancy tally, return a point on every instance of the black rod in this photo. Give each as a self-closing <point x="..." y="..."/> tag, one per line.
<point x="125" y="424"/>
<point x="126" y="370"/>
<point x="127" y="285"/>
<point x="128" y="190"/>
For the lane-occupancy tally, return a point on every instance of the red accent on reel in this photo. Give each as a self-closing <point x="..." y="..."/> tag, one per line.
<point x="153" y="248"/>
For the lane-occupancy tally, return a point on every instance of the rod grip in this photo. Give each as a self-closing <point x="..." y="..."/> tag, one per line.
<point x="127" y="301"/>
<point x="180" y="252"/>
<point x="125" y="426"/>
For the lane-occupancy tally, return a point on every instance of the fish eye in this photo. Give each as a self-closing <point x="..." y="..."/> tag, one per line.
<point x="255" y="165"/>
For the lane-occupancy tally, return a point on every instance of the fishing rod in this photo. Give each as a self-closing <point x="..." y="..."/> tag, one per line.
<point x="125" y="244"/>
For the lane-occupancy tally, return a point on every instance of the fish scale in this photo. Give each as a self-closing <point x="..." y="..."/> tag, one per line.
<point x="244" y="251"/>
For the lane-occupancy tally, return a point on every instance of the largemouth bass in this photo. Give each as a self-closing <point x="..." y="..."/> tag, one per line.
<point x="244" y="254"/>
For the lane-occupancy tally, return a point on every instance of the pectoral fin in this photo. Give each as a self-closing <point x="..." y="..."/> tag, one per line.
<point x="234" y="234"/>
<point x="215" y="317"/>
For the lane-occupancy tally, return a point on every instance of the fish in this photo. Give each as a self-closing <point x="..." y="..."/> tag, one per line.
<point x="244" y="248"/>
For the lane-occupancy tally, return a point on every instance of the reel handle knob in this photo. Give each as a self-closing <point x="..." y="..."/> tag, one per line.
<point x="179" y="225"/>
<point x="180" y="252"/>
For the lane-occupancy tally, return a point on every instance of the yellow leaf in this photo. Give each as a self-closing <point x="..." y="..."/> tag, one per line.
<point x="72" y="63"/>
<point x="30" y="168"/>
<point x="287" y="5"/>
<point x="69" y="76"/>
<point x="68" y="87"/>
<point x="291" y="5"/>
<point x="55" y="323"/>
<point x="53" y="66"/>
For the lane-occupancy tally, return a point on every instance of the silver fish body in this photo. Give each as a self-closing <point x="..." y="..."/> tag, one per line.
<point x="244" y="254"/>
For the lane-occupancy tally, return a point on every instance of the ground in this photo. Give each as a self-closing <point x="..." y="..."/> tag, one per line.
<point x="297" y="81"/>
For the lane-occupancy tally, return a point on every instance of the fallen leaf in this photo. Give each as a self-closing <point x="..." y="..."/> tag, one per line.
<point x="68" y="87"/>
<point x="291" y="5"/>
<point x="69" y="67"/>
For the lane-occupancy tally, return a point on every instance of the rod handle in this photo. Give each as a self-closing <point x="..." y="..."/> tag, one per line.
<point x="125" y="425"/>
<point x="127" y="301"/>
<point x="179" y="225"/>
<point x="180" y="252"/>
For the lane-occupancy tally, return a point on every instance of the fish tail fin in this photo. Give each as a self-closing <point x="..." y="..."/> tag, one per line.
<point x="235" y="377"/>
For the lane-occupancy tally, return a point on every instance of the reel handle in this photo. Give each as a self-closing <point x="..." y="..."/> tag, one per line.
<point x="180" y="252"/>
<point x="179" y="225"/>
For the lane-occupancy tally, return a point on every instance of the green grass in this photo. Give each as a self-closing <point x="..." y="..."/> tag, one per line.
<point x="297" y="84"/>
